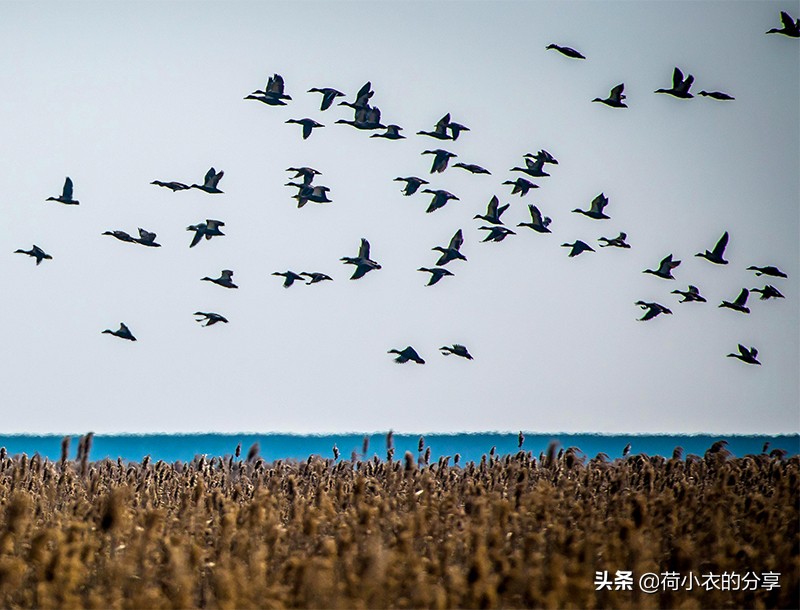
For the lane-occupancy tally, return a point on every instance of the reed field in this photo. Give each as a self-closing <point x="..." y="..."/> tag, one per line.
<point x="516" y="531"/>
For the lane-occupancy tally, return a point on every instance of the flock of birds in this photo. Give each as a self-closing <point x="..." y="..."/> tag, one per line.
<point x="368" y="118"/>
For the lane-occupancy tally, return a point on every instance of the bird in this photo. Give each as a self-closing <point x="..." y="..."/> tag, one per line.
<point x="790" y="27"/>
<point x="406" y="354"/>
<point x="225" y="279"/>
<point x="441" y="157"/>
<point x="440" y="198"/>
<point x="328" y="96"/>
<point x="578" y="247"/>
<point x="36" y="252"/>
<point x="717" y="95"/>
<point x="496" y="233"/>
<point x="451" y="252"/>
<point x="269" y="100"/>
<point x="715" y="256"/>
<point x="437" y="273"/>
<point x="209" y="229"/>
<point x="306" y="193"/>
<point x="440" y="130"/>
<point x="366" y="118"/>
<point x="120" y="235"/>
<point x="362" y="97"/>
<point x="567" y="51"/>
<point x="748" y="356"/>
<point x="457" y="350"/>
<point x="364" y="264"/>
<point x="307" y="173"/>
<point x="412" y="184"/>
<point x="538" y="222"/>
<point x="692" y="294"/>
<point x="392" y="133"/>
<point x="532" y="168"/>
<point x="123" y="332"/>
<point x="493" y="212"/>
<point x="680" y="85"/>
<point x="209" y="318"/>
<point x="665" y="268"/>
<point x="544" y="156"/>
<point x="521" y="186"/>
<point x="66" y="194"/>
<point x="520" y="439"/>
<point x="173" y="186"/>
<point x="210" y="182"/>
<point x="768" y="292"/>
<point x="614" y="98"/>
<point x="472" y="168"/>
<point x="626" y="450"/>
<point x="768" y="270"/>
<point x="289" y="277"/>
<point x="315" y="277"/>
<point x="456" y="129"/>
<point x="308" y="125"/>
<point x="617" y="242"/>
<point x="274" y="89"/>
<point x="596" y="210"/>
<point x="146" y="238"/>
<point x="739" y="304"/>
<point x="653" y="309"/>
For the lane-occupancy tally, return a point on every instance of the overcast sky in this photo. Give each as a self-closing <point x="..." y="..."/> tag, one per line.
<point x="116" y="95"/>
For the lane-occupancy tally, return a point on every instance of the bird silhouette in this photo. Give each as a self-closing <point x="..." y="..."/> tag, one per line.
<point x="496" y="233"/>
<point x="308" y="125"/>
<point x="412" y="184"/>
<point x="653" y="310"/>
<point x="452" y="251"/>
<point x="748" y="356"/>
<point x="680" y="85"/>
<point x="437" y="273"/>
<point x="274" y="89"/>
<point x="456" y="350"/>
<point x="616" y="242"/>
<point x="768" y="292"/>
<point x="225" y="279"/>
<point x="364" y="264"/>
<point x="614" y="98"/>
<point x="209" y="229"/>
<point x="440" y="130"/>
<point x="599" y="203"/>
<point x="544" y="156"/>
<point x="362" y="97"/>
<point x="120" y="235"/>
<point x="366" y="118"/>
<point x="790" y="27"/>
<point x="146" y="238"/>
<point x="307" y="173"/>
<point x="626" y="450"/>
<point x="307" y="192"/>
<point x="493" y="212"/>
<point x="315" y="277"/>
<point x="328" y="96"/>
<point x="173" y="186"/>
<point x="768" y="270"/>
<point x="290" y="277"/>
<point x="739" y="304"/>
<point x="66" y="194"/>
<point x="392" y="133"/>
<point x="472" y="168"/>
<point x="210" y="318"/>
<point x="538" y="222"/>
<point x="440" y="198"/>
<point x="578" y="247"/>
<point x="210" y="182"/>
<point x="533" y="167"/>
<point x="690" y="295"/>
<point x="36" y="252"/>
<point x="440" y="159"/>
<point x="123" y="332"/>
<point x="717" y="95"/>
<point x="715" y="256"/>
<point x="665" y="268"/>
<point x="406" y="354"/>
<point x="521" y="186"/>
<point x="269" y="100"/>
<point x="567" y="51"/>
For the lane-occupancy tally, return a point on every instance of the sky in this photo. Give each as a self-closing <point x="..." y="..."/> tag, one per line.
<point x="116" y="95"/>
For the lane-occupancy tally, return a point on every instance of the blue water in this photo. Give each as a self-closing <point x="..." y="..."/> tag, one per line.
<point x="184" y="447"/>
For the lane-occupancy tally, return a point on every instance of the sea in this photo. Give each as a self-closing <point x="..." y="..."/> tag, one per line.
<point x="470" y="446"/>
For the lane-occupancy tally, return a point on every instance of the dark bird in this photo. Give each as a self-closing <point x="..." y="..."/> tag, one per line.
<point x="269" y="100"/>
<point x="123" y="332"/>
<point x="493" y="212"/>
<point x="472" y="168"/>
<point x="440" y="198"/>
<point x="717" y="95"/>
<point x="36" y="252"/>
<point x="173" y="186"/>
<point x="790" y="27"/>
<point x="626" y="450"/>
<point x="769" y="270"/>
<point x="366" y="118"/>
<point x="690" y="295"/>
<point x="520" y="439"/>
<point x="437" y="273"/>
<point x="66" y="194"/>
<point x="308" y="125"/>
<point x="521" y="186"/>
<point x="457" y="350"/>
<point x="225" y="279"/>
<point x="274" y="89"/>
<point x="362" y="97"/>
<point x="404" y="355"/>
<point x="715" y="256"/>
<point x="306" y="193"/>
<point x="653" y="309"/>
<point x="538" y="222"/>
<point x="210" y="182"/>
<point x="578" y="247"/>
<point x="120" y="235"/>
<point x="614" y="98"/>
<point x="146" y="238"/>
<point x="533" y="167"/>
<point x="307" y="173"/>
<point x="665" y="268"/>
<point x="544" y="156"/>
<point x="440" y="130"/>
<point x="456" y="129"/>
<point x="680" y="85"/>
<point x="328" y="96"/>
<point x="451" y="252"/>
<point x="363" y="262"/>
<point x="568" y="51"/>
<point x="496" y="233"/>
<point x="209" y="229"/>
<point x="289" y="277"/>
<point x="599" y="203"/>
<point x="209" y="318"/>
<point x="740" y="303"/>
<point x="392" y="133"/>
<point x="440" y="159"/>
<point x="768" y="292"/>
<point x="412" y="184"/>
<point x="746" y="355"/>
<point x="616" y="242"/>
<point x="315" y="277"/>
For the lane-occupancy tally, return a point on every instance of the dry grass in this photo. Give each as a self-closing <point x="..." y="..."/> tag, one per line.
<point x="515" y="531"/>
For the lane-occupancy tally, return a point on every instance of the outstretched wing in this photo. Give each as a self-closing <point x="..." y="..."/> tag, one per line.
<point x="719" y="249"/>
<point x="599" y="202"/>
<point x="66" y="192"/>
<point x="742" y="298"/>
<point x="146" y="235"/>
<point x="363" y="250"/>
<point x="457" y="240"/>
<point x="677" y="78"/>
<point x="198" y="235"/>
<point x="536" y="215"/>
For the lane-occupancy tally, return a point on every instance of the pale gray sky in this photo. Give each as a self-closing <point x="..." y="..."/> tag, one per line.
<point x="116" y="95"/>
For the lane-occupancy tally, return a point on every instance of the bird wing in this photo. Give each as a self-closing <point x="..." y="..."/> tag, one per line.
<point x="146" y="235"/>
<point x="666" y="264"/>
<point x="360" y="271"/>
<point x="616" y="92"/>
<point x="66" y="192"/>
<point x="209" y="177"/>
<point x="226" y="274"/>
<point x="198" y="235"/>
<point x="742" y="298"/>
<point x="441" y="126"/>
<point x="786" y="19"/>
<point x="719" y="249"/>
<point x="456" y="240"/>
<point x="536" y="215"/>
<point x="363" y="250"/>
<point x="677" y="78"/>
<point x="491" y="209"/>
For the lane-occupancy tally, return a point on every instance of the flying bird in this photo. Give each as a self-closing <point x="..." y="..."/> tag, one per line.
<point x="362" y="97"/>
<point x="412" y="184"/>
<point x="739" y="304"/>
<point x="614" y="98"/>
<point x="457" y="350"/>
<point x="274" y="89"/>
<point x="768" y="270"/>
<point x="690" y="295"/>
<point x="315" y="277"/>
<point x="120" y="235"/>
<point x="680" y="85"/>
<point x="307" y="173"/>
<point x="307" y="192"/>
<point x="715" y="256"/>
<point x="790" y="27"/>
<point x="146" y="238"/>
<point x="717" y="95"/>
<point x="173" y="186"/>
<point x="472" y="168"/>
<point x="328" y="96"/>
<point x="209" y="229"/>
<point x="364" y="264"/>
<point x="392" y="133"/>
<point x="269" y="100"/>
<point x="210" y="182"/>
<point x="533" y="168"/>
<point x="66" y="194"/>
<point x="496" y="233"/>
<point x="768" y="292"/>
<point x="404" y="355"/>
<point x="521" y="186"/>
<point x="616" y="242"/>
<point x="440" y="159"/>
<point x="209" y="318"/>
<point x="366" y="118"/>
<point x="452" y="251"/>
<point x="308" y="125"/>
<point x="440" y="130"/>
<point x="290" y="277"/>
<point x="567" y="51"/>
<point x="36" y="252"/>
<point x="123" y="332"/>
<point x="578" y="247"/>
<point x="544" y="155"/>
<point x="440" y="198"/>
<point x="493" y="212"/>
<point x="653" y="310"/>
<point x="665" y="268"/>
<point x="225" y="279"/>
<point x="538" y="222"/>
<point x="437" y="273"/>
<point x="599" y="203"/>
<point x="748" y="356"/>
